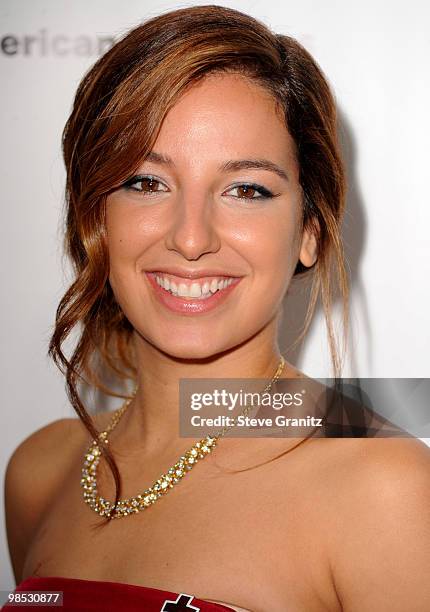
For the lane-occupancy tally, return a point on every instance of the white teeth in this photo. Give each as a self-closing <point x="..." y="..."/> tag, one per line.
<point x="195" y="290"/>
<point x="206" y="288"/>
<point x="183" y="290"/>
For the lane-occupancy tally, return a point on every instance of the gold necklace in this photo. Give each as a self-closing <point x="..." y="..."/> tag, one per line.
<point x="166" y="481"/>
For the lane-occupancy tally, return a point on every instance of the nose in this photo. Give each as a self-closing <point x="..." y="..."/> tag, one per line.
<point x="193" y="232"/>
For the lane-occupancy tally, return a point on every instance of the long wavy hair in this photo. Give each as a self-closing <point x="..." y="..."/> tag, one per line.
<point x="117" y="113"/>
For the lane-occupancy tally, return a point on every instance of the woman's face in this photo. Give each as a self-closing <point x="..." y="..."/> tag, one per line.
<point x="218" y="201"/>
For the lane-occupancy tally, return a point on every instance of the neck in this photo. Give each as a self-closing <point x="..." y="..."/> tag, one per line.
<point x="152" y="419"/>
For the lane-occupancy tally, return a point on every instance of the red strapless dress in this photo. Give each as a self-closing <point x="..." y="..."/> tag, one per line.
<point x="99" y="596"/>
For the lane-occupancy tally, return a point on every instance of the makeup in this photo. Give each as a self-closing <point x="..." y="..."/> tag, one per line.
<point x="191" y="305"/>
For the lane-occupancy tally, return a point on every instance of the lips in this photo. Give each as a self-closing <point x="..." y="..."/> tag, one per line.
<point x="185" y="303"/>
<point x="192" y="288"/>
<point x="193" y="273"/>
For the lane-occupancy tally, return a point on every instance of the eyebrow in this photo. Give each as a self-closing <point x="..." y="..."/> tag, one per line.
<point x="228" y="166"/>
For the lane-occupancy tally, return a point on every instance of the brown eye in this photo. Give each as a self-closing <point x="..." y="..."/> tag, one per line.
<point x="148" y="184"/>
<point x="144" y="184"/>
<point x="246" y="191"/>
<point x="251" y="191"/>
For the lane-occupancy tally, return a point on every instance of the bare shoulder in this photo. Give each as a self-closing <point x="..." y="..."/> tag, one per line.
<point x="379" y="524"/>
<point x="34" y="472"/>
<point x="46" y="453"/>
<point x="382" y="466"/>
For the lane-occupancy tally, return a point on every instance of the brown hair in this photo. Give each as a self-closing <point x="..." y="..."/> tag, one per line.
<point x="117" y="113"/>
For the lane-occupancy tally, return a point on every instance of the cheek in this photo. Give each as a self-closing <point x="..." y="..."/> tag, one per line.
<point x="272" y="250"/>
<point x="129" y="233"/>
<point x="124" y="241"/>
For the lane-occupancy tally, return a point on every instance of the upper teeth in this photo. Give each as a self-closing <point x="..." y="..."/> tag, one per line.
<point x="196" y="289"/>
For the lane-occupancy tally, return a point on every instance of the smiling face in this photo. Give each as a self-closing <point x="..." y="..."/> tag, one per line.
<point x="196" y="209"/>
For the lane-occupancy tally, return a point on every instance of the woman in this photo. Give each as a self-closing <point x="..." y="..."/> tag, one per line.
<point x="203" y="173"/>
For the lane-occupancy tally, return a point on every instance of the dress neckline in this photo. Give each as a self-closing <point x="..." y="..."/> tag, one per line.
<point x="223" y="604"/>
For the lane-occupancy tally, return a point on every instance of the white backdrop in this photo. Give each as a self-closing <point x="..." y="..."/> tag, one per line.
<point x="375" y="55"/>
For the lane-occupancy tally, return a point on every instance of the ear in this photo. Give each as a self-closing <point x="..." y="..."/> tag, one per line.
<point x="308" y="248"/>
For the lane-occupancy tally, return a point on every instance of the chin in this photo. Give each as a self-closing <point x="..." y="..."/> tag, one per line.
<point x="187" y="349"/>
<point x="185" y="346"/>
<point x="194" y="353"/>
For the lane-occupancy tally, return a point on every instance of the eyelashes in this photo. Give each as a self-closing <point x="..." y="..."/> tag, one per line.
<point x="140" y="178"/>
<point x="265" y="194"/>
<point x="152" y="182"/>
